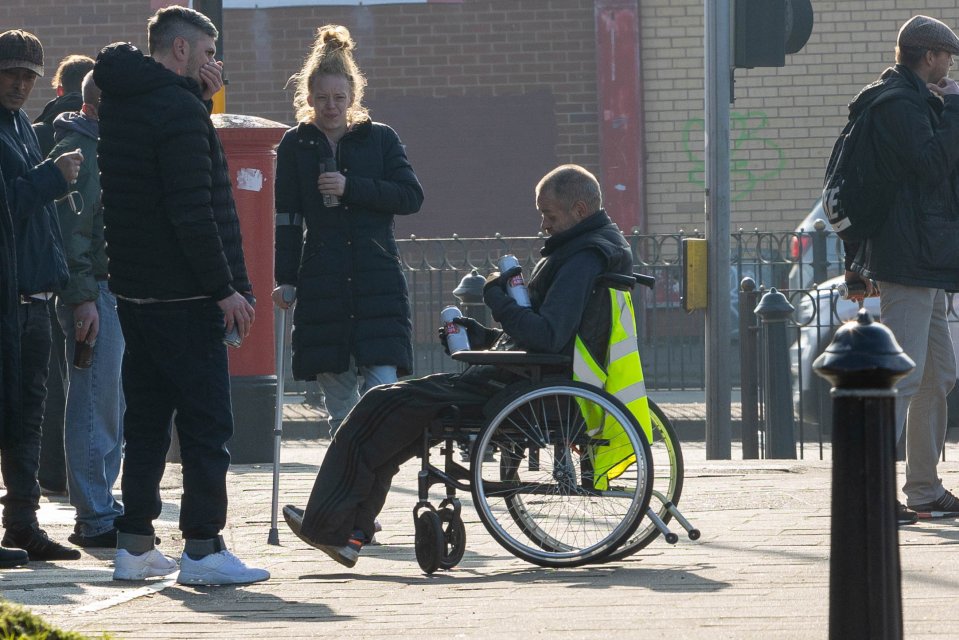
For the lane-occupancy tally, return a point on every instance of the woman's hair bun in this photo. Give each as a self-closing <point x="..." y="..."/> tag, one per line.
<point x="336" y="37"/>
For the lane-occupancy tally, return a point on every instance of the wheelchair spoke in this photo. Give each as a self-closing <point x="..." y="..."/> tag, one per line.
<point x="545" y="508"/>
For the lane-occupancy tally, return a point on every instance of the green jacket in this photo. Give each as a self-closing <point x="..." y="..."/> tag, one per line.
<point x="82" y="231"/>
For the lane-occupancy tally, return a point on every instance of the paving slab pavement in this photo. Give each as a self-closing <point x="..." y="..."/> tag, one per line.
<point x="760" y="570"/>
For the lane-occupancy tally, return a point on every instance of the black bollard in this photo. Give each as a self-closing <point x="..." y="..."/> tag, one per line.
<point x="863" y="363"/>
<point x="773" y="311"/>
<point x="470" y="294"/>
<point x="749" y="368"/>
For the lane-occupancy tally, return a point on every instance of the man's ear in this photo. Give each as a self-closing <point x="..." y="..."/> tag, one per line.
<point x="581" y="210"/>
<point x="60" y="91"/>
<point x="181" y="49"/>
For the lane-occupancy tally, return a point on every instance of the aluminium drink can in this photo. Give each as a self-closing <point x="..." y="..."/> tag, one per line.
<point x="456" y="338"/>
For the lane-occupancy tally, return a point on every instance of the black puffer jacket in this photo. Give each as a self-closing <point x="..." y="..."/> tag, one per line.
<point x="919" y="144"/>
<point x="352" y="297"/>
<point x="171" y="225"/>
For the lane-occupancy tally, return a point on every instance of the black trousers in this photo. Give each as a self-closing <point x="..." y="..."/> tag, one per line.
<point x="19" y="462"/>
<point x="383" y="431"/>
<point x="175" y="362"/>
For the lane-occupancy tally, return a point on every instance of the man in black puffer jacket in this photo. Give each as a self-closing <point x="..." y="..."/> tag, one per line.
<point x="384" y="430"/>
<point x="176" y="267"/>
<point x="915" y="255"/>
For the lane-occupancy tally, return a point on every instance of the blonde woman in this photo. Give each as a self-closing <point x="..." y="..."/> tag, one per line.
<point x="344" y="177"/>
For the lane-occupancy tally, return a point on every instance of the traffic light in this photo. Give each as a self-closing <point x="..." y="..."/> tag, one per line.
<point x="766" y="30"/>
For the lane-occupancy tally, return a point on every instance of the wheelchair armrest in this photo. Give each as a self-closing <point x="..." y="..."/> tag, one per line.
<point x="625" y="283"/>
<point x="511" y="358"/>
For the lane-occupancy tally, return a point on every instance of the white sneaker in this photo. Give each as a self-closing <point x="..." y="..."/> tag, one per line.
<point x="152" y="564"/>
<point x="218" y="568"/>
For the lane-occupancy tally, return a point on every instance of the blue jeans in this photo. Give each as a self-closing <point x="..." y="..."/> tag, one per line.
<point x="92" y="436"/>
<point x="343" y="390"/>
<point x="20" y="461"/>
<point x="175" y="362"/>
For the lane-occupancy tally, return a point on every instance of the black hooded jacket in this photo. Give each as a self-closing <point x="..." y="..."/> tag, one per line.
<point x="43" y="124"/>
<point x="918" y="144"/>
<point x="172" y="230"/>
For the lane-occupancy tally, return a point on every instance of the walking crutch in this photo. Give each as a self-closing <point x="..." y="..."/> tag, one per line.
<point x="279" y="329"/>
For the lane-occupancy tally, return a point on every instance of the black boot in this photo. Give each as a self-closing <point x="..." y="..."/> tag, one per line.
<point x="38" y="544"/>
<point x="10" y="558"/>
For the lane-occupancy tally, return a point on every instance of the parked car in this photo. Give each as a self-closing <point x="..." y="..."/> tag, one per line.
<point x="820" y="312"/>
<point x="802" y="273"/>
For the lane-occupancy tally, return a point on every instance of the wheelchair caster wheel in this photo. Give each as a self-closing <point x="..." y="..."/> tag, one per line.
<point x="694" y="534"/>
<point x="672" y="538"/>
<point x="454" y="538"/>
<point x="430" y="544"/>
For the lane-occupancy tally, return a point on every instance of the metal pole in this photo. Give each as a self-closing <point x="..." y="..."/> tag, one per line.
<point x="718" y="329"/>
<point x="748" y="366"/>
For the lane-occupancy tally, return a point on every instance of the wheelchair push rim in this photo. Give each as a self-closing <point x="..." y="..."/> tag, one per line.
<point x="554" y="508"/>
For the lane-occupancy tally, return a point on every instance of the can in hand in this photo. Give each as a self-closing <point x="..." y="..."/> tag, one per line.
<point x="515" y="285"/>
<point x="847" y="289"/>
<point x="456" y="338"/>
<point x="328" y="165"/>
<point x="232" y="337"/>
<point x="83" y="354"/>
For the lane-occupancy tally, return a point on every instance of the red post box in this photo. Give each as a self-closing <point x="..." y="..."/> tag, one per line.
<point x="250" y="146"/>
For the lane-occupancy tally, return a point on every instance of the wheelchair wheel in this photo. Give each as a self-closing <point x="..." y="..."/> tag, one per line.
<point x="454" y="538"/>
<point x="667" y="462"/>
<point x="429" y="543"/>
<point x="587" y="494"/>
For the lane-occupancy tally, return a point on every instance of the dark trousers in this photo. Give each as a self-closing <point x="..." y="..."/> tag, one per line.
<point x="175" y="362"/>
<point x="383" y="431"/>
<point x="53" y="466"/>
<point x="20" y="461"/>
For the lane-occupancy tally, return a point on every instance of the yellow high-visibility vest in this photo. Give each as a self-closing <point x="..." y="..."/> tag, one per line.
<point x="622" y="377"/>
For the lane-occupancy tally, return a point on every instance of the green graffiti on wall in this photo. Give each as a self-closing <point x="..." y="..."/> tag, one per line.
<point x="746" y="132"/>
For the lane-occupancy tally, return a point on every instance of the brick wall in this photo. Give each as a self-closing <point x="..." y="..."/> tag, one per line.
<point x="496" y="52"/>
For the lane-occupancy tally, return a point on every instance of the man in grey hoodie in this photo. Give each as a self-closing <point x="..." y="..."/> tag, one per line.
<point x="87" y="312"/>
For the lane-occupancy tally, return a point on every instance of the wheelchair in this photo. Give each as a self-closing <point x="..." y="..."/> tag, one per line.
<point x="547" y="486"/>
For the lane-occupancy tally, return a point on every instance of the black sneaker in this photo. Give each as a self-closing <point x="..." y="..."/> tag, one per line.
<point x="105" y="540"/>
<point x="347" y="555"/>
<point x="38" y="544"/>
<point x="945" y="507"/>
<point x="905" y="515"/>
<point x="10" y="558"/>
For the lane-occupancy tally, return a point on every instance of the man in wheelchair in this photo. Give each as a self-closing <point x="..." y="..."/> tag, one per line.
<point x="386" y="428"/>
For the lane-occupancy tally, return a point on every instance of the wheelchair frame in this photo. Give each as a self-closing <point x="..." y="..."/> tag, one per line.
<point x="549" y="521"/>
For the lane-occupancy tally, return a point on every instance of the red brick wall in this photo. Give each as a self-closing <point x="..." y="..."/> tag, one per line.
<point x="523" y="70"/>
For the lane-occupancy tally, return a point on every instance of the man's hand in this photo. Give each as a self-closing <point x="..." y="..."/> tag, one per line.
<point x="493" y="280"/>
<point x="480" y="337"/>
<point x="945" y="87"/>
<point x="237" y="312"/>
<point x="211" y="78"/>
<point x="331" y="183"/>
<point x="69" y="165"/>
<point x="868" y="291"/>
<point x="284" y="295"/>
<point x="86" y="322"/>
